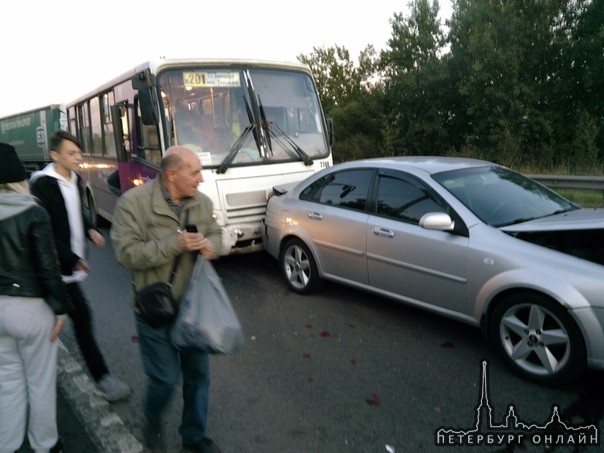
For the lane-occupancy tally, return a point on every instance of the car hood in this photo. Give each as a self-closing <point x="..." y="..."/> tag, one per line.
<point x="579" y="219"/>
<point x="578" y="233"/>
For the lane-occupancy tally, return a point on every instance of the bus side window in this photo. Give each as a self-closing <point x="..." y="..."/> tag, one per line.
<point x="148" y="143"/>
<point x="151" y="144"/>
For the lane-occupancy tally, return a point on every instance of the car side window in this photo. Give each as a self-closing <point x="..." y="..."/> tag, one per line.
<point x="405" y="200"/>
<point x="346" y="189"/>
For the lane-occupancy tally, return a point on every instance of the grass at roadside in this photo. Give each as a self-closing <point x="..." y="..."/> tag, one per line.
<point x="585" y="198"/>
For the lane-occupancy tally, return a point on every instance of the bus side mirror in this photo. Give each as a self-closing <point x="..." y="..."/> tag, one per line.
<point x="141" y="84"/>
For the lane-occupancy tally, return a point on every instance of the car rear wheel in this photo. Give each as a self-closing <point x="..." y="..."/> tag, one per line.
<point x="298" y="267"/>
<point x="538" y="338"/>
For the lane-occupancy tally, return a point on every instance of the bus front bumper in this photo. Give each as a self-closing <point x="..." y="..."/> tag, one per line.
<point x="240" y="239"/>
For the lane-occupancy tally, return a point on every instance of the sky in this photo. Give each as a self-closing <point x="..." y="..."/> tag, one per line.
<point x="55" y="51"/>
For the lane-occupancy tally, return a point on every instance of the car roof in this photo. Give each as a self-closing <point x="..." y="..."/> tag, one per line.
<point x="428" y="164"/>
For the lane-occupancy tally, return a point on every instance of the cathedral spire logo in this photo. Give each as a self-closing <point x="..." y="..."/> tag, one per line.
<point x="512" y="430"/>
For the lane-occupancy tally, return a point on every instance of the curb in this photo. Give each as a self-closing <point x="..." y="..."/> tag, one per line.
<point x="105" y="428"/>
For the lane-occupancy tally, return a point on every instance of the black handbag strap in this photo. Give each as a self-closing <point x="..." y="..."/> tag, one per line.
<point x="177" y="259"/>
<point x="174" y="266"/>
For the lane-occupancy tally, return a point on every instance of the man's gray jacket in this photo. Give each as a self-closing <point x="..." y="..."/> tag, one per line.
<point x="144" y="233"/>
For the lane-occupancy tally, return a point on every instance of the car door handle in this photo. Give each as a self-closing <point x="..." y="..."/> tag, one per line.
<point x="383" y="232"/>
<point x="315" y="215"/>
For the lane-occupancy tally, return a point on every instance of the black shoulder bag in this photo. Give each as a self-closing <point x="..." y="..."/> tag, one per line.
<point x="155" y="301"/>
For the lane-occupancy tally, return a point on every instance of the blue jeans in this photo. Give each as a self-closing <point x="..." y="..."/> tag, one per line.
<point x="163" y="365"/>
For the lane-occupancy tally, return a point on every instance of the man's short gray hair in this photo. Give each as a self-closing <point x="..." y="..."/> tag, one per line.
<point x="170" y="160"/>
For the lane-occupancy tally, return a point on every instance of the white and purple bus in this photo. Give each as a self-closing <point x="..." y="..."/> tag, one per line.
<point x="253" y="124"/>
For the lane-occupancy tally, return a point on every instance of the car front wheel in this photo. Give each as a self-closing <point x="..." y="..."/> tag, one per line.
<point x="298" y="267"/>
<point x="538" y="339"/>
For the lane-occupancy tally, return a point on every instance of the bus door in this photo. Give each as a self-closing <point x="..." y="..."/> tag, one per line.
<point x="122" y="177"/>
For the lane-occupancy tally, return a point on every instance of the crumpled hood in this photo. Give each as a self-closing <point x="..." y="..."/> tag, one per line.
<point x="579" y="219"/>
<point x="13" y="203"/>
<point x="578" y="233"/>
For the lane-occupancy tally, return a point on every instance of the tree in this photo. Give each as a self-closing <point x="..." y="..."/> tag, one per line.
<point x="514" y="81"/>
<point x="350" y="94"/>
<point x="416" y="86"/>
<point x="585" y="81"/>
<point x="511" y="63"/>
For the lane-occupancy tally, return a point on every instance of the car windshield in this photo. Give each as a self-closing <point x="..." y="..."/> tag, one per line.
<point x="500" y="197"/>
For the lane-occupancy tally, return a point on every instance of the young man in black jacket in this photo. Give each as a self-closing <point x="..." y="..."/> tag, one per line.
<point x="58" y="189"/>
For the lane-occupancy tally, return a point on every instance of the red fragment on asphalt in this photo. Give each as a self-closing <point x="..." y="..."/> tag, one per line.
<point x="373" y="400"/>
<point x="306" y="355"/>
<point x="325" y="334"/>
<point x="135" y="339"/>
<point x="354" y="362"/>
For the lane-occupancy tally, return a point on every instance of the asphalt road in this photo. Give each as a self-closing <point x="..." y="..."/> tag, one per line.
<point x="71" y="430"/>
<point x="340" y="371"/>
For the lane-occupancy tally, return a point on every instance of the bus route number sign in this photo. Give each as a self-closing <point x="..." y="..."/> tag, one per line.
<point x="211" y="79"/>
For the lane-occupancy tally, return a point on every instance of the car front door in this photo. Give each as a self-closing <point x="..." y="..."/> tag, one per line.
<point x="422" y="266"/>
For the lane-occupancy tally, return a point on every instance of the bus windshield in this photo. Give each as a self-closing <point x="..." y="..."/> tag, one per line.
<point x="234" y="117"/>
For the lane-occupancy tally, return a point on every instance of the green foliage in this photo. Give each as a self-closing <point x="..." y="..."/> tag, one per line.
<point x="586" y="198"/>
<point x="417" y="83"/>
<point x="514" y="81"/>
<point x="352" y="95"/>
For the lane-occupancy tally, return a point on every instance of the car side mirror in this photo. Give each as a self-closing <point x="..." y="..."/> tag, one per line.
<point x="437" y="221"/>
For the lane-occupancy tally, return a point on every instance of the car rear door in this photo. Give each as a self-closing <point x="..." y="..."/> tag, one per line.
<point x="334" y="218"/>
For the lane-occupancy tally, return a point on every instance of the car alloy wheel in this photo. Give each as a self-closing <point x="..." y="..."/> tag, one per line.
<point x="299" y="267"/>
<point x="538" y="338"/>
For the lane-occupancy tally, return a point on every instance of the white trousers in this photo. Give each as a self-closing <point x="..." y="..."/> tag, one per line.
<point x="28" y="374"/>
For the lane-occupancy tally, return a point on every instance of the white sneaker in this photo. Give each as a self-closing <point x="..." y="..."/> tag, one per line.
<point x="112" y="388"/>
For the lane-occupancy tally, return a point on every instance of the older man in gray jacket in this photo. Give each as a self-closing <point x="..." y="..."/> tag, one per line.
<point x="148" y="233"/>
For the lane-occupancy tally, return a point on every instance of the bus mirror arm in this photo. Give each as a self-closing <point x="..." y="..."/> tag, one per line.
<point x="330" y="131"/>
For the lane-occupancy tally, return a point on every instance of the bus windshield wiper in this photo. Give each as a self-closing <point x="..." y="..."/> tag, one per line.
<point x="282" y="135"/>
<point x="272" y="127"/>
<point x="255" y="115"/>
<point x="251" y="127"/>
<point x="228" y="160"/>
<point x="265" y="125"/>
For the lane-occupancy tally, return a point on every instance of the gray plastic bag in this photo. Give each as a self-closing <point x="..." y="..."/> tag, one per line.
<point x="206" y="320"/>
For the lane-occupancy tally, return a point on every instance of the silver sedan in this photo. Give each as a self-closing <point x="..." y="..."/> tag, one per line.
<point x="465" y="238"/>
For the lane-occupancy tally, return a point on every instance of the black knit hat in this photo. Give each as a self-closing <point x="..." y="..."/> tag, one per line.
<point x="11" y="168"/>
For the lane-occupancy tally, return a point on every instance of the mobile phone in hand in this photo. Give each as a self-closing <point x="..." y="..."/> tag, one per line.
<point x="190" y="228"/>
